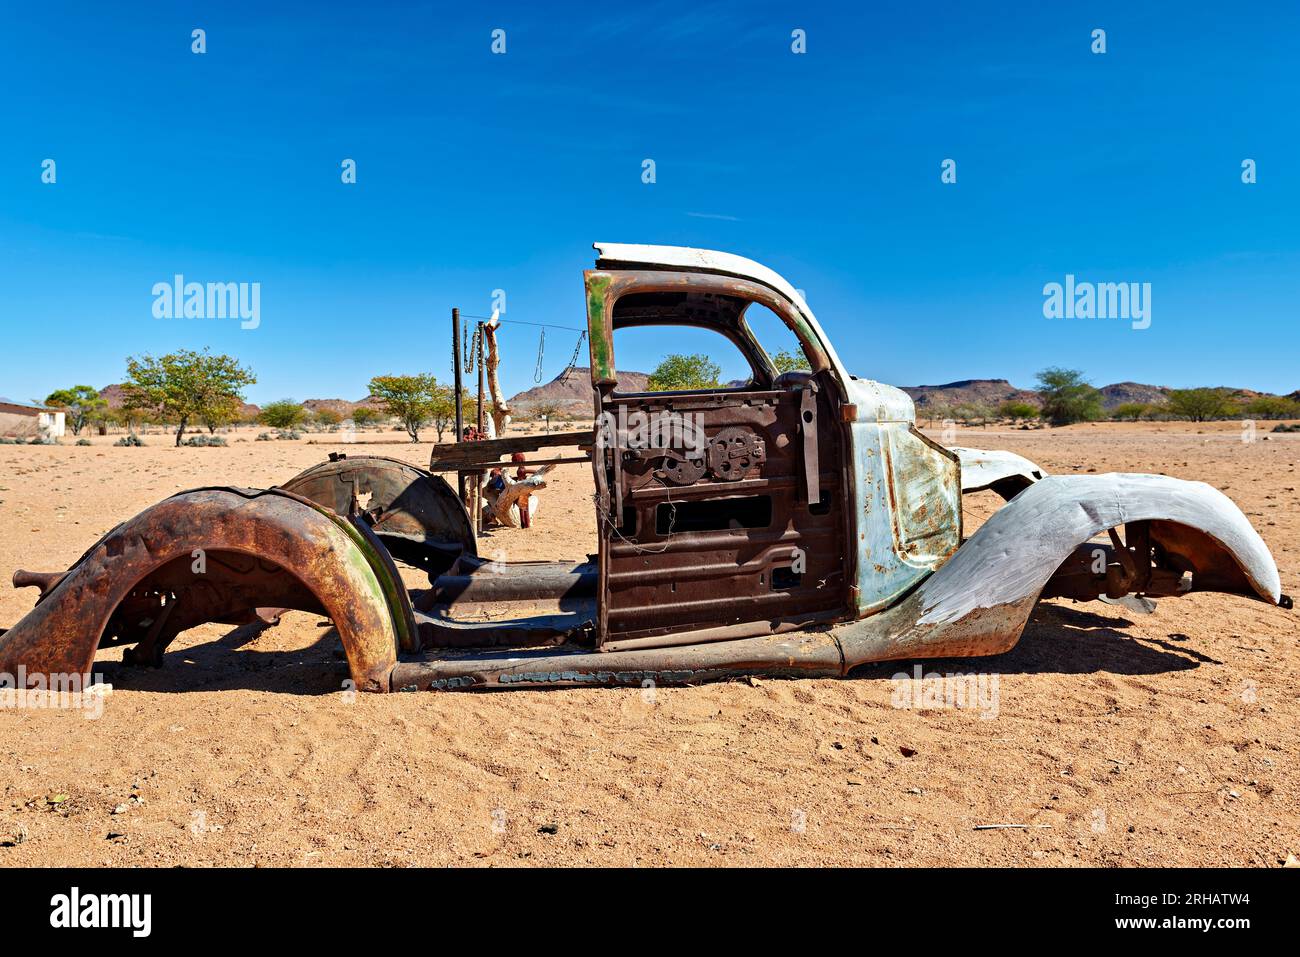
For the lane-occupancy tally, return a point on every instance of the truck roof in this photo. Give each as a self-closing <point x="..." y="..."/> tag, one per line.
<point x="689" y="259"/>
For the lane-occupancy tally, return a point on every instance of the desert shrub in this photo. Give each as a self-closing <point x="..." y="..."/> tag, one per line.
<point x="203" y="441"/>
<point x="283" y="414"/>
<point x="129" y="440"/>
<point x="1132" y="411"/>
<point x="364" y="416"/>
<point x="83" y="441"/>
<point x="1016" y="410"/>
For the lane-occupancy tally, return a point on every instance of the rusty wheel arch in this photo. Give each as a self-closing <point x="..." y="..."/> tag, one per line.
<point x="217" y="554"/>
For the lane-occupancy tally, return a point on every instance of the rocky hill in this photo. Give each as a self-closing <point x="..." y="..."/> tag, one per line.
<point x="572" y="393"/>
<point x="985" y="392"/>
<point x="1120" y="393"/>
<point x="343" y="407"/>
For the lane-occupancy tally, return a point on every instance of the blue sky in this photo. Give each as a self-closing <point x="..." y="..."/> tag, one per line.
<point x="478" y="171"/>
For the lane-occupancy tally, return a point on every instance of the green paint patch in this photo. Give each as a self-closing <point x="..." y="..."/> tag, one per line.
<point x="602" y="350"/>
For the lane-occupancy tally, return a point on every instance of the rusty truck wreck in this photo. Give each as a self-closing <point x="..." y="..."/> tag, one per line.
<point x="798" y="525"/>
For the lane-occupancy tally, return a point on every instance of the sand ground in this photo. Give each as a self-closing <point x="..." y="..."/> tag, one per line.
<point x="1123" y="739"/>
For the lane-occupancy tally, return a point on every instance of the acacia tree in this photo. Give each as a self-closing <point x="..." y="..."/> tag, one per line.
<point x="1200" y="405"/>
<point x="1068" y="397"/>
<point x="547" y="411"/>
<point x="411" y="398"/>
<point x="282" y="414"/>
<point x="184" y="386"/>
<point x="684" y="373"/>
<point x="79" y="404"/>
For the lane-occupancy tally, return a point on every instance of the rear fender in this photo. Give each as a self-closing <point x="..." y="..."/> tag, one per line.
<point x="217" y="554"/>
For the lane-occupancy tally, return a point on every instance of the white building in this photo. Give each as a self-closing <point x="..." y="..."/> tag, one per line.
<point x="19" y="421"/>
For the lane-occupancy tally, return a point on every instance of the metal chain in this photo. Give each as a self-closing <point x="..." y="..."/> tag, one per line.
<point x="573" y="363"/>
<point x="473" y="347"/>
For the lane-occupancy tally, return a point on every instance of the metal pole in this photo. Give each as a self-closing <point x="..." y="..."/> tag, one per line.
<point x="459" y="390"/>
<point x="478" y="478"/>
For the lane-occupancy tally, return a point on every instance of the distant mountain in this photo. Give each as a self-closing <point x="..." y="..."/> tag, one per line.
<point x="573" y="393"/>
<point x="112" y="394"/>
<point x="343" y="407"/>
<point x="993" y="392"/>
<point x="987" y="392"/>
<point x="1119" y="393"/>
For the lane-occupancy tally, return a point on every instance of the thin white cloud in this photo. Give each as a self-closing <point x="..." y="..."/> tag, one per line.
<point x="730" y="219"/>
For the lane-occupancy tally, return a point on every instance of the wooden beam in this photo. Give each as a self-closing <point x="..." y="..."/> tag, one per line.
<point x="479" y="465"/>
<point x="447" y="456"/>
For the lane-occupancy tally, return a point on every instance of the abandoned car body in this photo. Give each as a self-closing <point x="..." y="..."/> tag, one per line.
<point x="796" y="524"/>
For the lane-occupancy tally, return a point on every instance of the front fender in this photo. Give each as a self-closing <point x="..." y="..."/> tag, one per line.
<point x="1006" y="473"/>
<point x="257" y="548"/>
<point x="979" y="601"/>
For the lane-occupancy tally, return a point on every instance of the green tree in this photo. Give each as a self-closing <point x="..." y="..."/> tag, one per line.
<point x="412" y="398"/>
<point x="1068" y="397"/>
<point x="1200" y="404"/>
<point x="221" y="411"/>
<point x="787" y="361"/>
<point x="1272" y="407"/>
<point x="443" y="410"/>
<point x="282" y="414"/>
<point x="363" y="416"/>
<point x="80" y="404"/>
<point x="683" y="373"/>
<point x="1129" y="411"/>
<point x="186" y="385"/>
<point x="327" y="417"/>
<point x="546" y="411"/>
<point x="1016" y="410"/>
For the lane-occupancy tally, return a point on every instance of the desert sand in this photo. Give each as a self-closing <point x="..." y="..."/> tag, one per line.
<point x="1123" y="740"/>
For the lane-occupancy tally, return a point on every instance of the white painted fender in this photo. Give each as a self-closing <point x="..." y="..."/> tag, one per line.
<point x="979" y="601"/>
<point x="1005" y="472"/>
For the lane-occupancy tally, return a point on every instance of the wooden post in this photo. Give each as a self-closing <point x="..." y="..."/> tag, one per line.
<point x="459" y="390"/>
